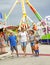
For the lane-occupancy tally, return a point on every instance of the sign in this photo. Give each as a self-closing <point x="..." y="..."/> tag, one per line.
<point x="1" y="16"/>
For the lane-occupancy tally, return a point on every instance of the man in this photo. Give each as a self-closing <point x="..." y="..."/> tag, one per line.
<point x="13" y="43"/>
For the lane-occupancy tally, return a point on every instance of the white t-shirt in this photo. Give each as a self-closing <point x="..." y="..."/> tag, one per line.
<point x="31" y="37"/>
<point x="23" y="36"/>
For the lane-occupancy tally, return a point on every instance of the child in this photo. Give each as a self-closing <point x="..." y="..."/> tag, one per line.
<point x="31" y="39"/>
<point x="36" y="48"/>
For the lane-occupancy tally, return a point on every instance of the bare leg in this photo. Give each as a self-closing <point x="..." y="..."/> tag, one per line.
<point x="17" y="53"/>
<point x="12" y="50"/>
<point x="24" y="50"/>
<point x="16" y="50"/>
<point x="12" y="53"/>
<point x="32" y="50"/>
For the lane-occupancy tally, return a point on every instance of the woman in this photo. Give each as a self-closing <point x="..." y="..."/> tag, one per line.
<point x="23" y="40"/>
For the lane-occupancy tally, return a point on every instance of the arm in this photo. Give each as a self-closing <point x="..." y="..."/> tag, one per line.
<point x="8" y="41"/>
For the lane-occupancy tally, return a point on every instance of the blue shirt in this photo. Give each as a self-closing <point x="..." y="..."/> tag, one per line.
<point x="12" y="40"/>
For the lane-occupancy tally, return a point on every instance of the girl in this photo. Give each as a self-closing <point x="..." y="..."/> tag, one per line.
<point x="31" y="39"/>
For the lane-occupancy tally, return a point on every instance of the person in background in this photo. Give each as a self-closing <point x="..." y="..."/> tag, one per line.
<point x="2" y="44"/>
<point x="13" y="43"/>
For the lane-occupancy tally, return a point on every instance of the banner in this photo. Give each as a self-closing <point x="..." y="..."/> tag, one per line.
<point x="1" y="16"/>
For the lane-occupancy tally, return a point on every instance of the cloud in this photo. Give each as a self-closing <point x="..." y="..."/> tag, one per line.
<point x="42" y="6"/>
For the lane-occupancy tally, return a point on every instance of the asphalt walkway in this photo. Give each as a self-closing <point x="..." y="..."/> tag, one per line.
<point x="42" y="59"/>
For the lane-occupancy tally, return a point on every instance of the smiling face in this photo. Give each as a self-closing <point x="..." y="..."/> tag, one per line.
<point x="31" y="32"/>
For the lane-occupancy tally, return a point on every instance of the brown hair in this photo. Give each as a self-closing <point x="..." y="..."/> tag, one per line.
<point x="36" y="41"/>
<point x="32" y="31"/>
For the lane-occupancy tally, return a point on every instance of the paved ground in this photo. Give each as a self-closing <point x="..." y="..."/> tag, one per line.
<point x="43" y="59"/>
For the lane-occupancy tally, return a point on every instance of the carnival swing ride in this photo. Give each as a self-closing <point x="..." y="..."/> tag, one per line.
<point x="24" y="20"/>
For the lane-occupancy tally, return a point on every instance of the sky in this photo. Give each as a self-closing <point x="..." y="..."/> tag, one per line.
<point x="42" y="7"/>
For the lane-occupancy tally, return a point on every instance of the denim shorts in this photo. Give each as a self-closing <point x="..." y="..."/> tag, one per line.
<point x="23" y="44"/>
<point x="32" y="43"/>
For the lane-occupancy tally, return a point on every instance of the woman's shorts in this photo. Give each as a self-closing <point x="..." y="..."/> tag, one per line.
<point x="23" y="44"/>
<point x="32" y="43"/>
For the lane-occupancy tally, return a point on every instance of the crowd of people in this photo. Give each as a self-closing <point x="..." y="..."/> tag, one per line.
<point x="25" y="37"/>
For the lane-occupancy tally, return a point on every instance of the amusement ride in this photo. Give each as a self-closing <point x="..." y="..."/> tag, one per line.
<point x="26" y="22"/>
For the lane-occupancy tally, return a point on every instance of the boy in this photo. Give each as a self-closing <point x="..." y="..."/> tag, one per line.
<point x="13" y="43"/>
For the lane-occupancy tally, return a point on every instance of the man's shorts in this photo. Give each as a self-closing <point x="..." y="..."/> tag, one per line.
<point x="36" y="51"/>
<point x="13" y="48"/>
